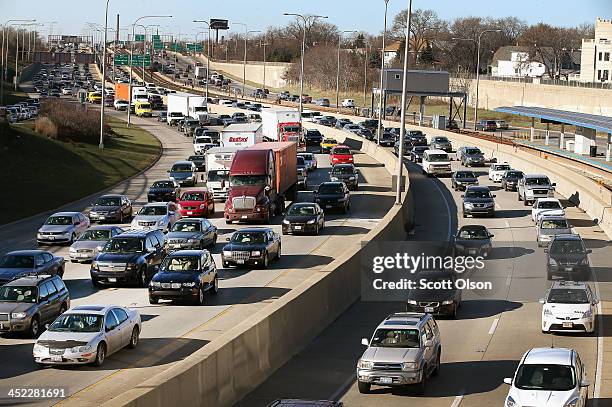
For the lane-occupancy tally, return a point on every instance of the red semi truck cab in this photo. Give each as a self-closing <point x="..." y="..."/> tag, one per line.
<point x="261" y="177"/>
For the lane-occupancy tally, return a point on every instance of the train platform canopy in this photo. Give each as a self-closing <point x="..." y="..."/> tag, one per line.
<point x="585" y="120"/>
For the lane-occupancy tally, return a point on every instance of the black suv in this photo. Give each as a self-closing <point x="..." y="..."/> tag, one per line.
<point x="313" y="137"/>
<point x="568" y="257"/>
<point x="29" y="302"/>
<point x="333" y="195"/>
<point x="129" y="257"/>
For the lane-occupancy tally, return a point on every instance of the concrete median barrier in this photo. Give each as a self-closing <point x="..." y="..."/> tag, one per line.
<point x="232" y="365"/>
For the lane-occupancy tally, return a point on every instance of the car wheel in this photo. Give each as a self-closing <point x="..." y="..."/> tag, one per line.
<point x="153" y="300"/>
<point x="316" y="232"/>
<point x="279" y="253"/>
<point x="464" y="215"/>
<point x="60" y="272"/>
<point x="100" y="354"/>
<point x="200" y="299"/>
<point x="34" y="330"/>
<point x="72" y="238"/>
<point x="120" y="216"/>
<point x="420" y="387"/>
<point x="525" y="201"/>
<point x="134" y="338"/>
<point x="364" y="388"/>
<point x="225" y="264"/>
<point x="454" y="313"/>
<point x="266" y="261"/>
<point x="437" y="369"/>
<point x="63" y="309"/>
<point x="142" y="277"/>
<point x="214" y="242"/>
<point x="215" y="287"/>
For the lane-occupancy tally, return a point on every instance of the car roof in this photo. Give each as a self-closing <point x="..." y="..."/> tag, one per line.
<point x="544" y="216"/>
<point x="478" y="187"/>
<point x="341" y="146"/>
<point x="549" y="356"/>
<point x="65" y="214"/>
<point x="303" y="204"/>
<point x="32" y="252"/>
<point x="111" y="196"/>
<point x="536" y="176"/>
<point x="135" y="233"/>
<point x="183" y="162"/>
<point x="567" y="236"/>
<point x="255" y="230"/>
<point x="30" y="280"/>
<point x="156" y="204"/>
<point x="436" y="151"/>
<point x="473" y="227"/>
<point x="91" y="309"/>
<point x="577" y="285"/>
<point x="103" y="227"/>
<point x="197" y="253"/>
<point x="547" y="200"/>
<point x="343" y="165"/>
<point x="335" y="183"/>
<point x="404" y="320"/>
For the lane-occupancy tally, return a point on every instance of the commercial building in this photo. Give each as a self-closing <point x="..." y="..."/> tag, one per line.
<point x="596" y="58"/>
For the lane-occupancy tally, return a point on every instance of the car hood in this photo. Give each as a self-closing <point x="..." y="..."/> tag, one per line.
<point x="342" y="176"/>
<point x="55" y="228"/>
<point x="472" y="242"/>
<point x="148" y="218"/>
<point x="97" y="208"/>
<point x="174" y="277"/>
<point x="431" y="295"/>
<point x="182" y="235"/>
<point x="243" y="247"/>
<point x="8" y="307"/>
<point x="160" y="190"/>
<point x="551" y="232"/>
<point x="118" y="257"/>
<point x="478" y="200"/>
<point x="568" y="309"/>
<point x="245" y="190"/>
<point x="330" y="196"/>
<point x="10" y="273"/>
<point x="568" y="258"/>
<point x="88" y="244"/>
<point x="181" y="175"/>
<point x="542" y="398"/>
<point x="474" y="156"/>
<point x="299" y="218"/>
<point x="468" y="179"/>
<point x="550" y="212"/>
<point x="397" y="355"/>
<point x="86" y="337"/>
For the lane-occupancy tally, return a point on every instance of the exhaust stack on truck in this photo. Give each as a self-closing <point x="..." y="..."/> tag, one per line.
<point x="261" y="178"/>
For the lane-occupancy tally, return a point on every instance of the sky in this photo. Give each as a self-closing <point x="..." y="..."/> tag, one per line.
<point x="359" y="15"/>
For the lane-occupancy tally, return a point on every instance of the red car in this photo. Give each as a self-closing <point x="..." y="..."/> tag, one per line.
<point x="198" y="203"/>
<point x="341" y="155"/>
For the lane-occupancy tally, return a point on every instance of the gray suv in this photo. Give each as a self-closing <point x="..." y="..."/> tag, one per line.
<point x="404" y="350"/>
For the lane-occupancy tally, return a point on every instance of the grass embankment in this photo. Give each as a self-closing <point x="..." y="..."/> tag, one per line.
<point x="10" y="96"/>
<point x="42" y="174"/>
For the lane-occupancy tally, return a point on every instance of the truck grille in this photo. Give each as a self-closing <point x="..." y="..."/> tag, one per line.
<point x="428" y="304"/>
<point x="540" y="191"/>
<point x="112" y="267"/>
<point x="174" y="286"/>
<point x="4" y="317"/>
<point x="241" y="255"/>
<point x="387" y="366"/>
<point x="85" y="251"/>
<point x="243" y="202"/>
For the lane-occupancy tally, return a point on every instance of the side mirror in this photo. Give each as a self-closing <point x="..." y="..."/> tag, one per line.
<point x="493" y="196"/>
<point x="462" y="196"/>
<point x="429" y="343"/>
<point x="168" y="171"/>
<point x="47" y="326"/>
<point x="589" y="251"/>
<point x="541" y="301"/>
<point x="223" y="183"/>
<point x="107" y="329"/>
<point x="554" y="184"/>
<point x="267" y="188"/>
<point x="227" y="239"/>
<point x="491" y="235"/>
<point x="508" y="380"/>
<point x="546" y="250"/>
<point x="151" y="250"/>
<point x="365" y="342"/>
<point x="595" y="301"/>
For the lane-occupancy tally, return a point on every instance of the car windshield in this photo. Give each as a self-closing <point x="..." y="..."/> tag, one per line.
<point x="17" y="261"/>
<point x="330" y="190"/>
<point x="477" y="193"/>
<point x="59" y="220"/>
<point x="77" y="323"/>
<point x="144" y="106"/>
<point x="196" y="158"/>
<point x="545" y="377"/>
<point x="396" y="338"/>
<point x="218" y="175"/>
<point x="124" y="245"/>
<point x="181" y="263"/>
<point x="343" y="169"/>
<point x="554" y="224"/>
<point x="153" y="210"/>
<point x="440" y="140"/>
<point x="473" y="151"/>
<point x="163" y="184"/>
<point x="240" y="180"/>
<point x="568" y="296"/>
<point x="537" y="181"/>
<point x="18" y="294"/>
<point x="549" y="205"/>
<point x="248" y="237"/>
<point x="513" y="174"/>
<point x="307" y="157"/>
<point x="202" y="140"/>
<point x="566" y="247"/>
<point x="420" y="149"/>
<point x="302" y="210"/>
<point x="438" y="157"/>
<point x="95" y="234"/>
<point x="480" y="233"/>
<point x="502" y="167"/>
<point x="107" y="201"/>
<point x="187" y="226"/>
<point x="342" y="150"/>
<point x="181" y="168"/>
<point x="313" y="133"/>
<point x="330" y="141"/>
<point x="192" y="196"/>
<point x="300" y="161"/>
<point x="291" y="129"/>
<point x="465" y="174"/>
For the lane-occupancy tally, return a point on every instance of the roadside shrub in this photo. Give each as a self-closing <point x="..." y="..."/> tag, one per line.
<point x="44" y="126"/>
<point x="72" y="122"/>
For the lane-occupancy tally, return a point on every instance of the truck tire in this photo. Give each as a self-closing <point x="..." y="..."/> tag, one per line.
<point x="364" y="388"/>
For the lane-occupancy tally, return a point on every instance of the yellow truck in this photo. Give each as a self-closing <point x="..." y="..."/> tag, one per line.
<point x="143" y="109"/>
<point x="94" y="97"/>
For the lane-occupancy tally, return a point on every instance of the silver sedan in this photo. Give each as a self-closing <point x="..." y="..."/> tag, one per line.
<point x="87" y="247"/>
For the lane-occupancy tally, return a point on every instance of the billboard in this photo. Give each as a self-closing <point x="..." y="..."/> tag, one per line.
<point x="218" y="24"/>
<point x="418" y="81"/>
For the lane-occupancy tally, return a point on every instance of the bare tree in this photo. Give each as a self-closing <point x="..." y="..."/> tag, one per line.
<point x="425" y="27"/>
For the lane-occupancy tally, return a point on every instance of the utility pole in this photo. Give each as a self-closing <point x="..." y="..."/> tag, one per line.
<point x="382" y="72"/>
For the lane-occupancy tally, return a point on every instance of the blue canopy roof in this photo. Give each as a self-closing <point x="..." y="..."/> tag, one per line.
<point x="590" y="121"/>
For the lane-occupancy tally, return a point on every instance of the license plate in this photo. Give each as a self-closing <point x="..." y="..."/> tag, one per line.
<point x="472" y="251"/>
<point x="568" y="269"/>
<point x="56" y="358"/>
<point x="568" y="325"/>
<point x="1" y="326"/>
<point x="386" y="380"/>
<point x="101" y="217"/>
<point x="328" y="206"/>
<point x="189" y="212"/>
<point x="240" y="261"/>
<point x="112" y="280"/>
<point x="51" y="237"/>
<point x="244" y="216"/>
<point x="297" y="227"/>
<point x="82" y="255"/>
<point x="429" y="309"/>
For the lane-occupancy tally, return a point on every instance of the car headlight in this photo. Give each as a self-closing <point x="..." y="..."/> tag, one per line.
<point x="412" y="302"/>
<point x="352" y="178"/>
<point x="189" y="284"/>
<point x="18" y="315"/>
<point x="94" y="213"/>
<point x="81" y="349"/>
<point x="285" y="222"/>
<point x="38" y="348"/>
<point x="202" y="206"/>
<point x="132" y="266"/>
<point x="468" y="205"/>
<point x="585" y="261"/>
<point x="410" y="366"/>
<point x="547" y="312"/>
<point x="155" y="284"/>
<point x="72" y="250"/>
<point x="94" y="265"/>
<point x="311" y="221"/>
<point x="573" y="402"/>
<point x="364" y="364"/>
<point x="552" y="262"/>
<point x="256" y="253"/>
<point x="510" y="402"/>
<point x="587" y="314"/>
<point x="227" y="253"/>
<point x="334" y="178"/>
<point x="447" y="302"/>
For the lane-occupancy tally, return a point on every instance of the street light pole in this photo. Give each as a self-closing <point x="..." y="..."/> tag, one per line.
<point x="207" y="56"/>
<point x="132" y="63"/>
<point x="338" y="69"/>
<point x="305" y="20"/>
<point x="365" y="74"/>
<point x="246" y="33"/>
<point x="101" y="143"/>
<point x="4" y="55"/>
<point x="382" y="71"/>
<point x="264" y="44"/>
<point x="400" y="155"/>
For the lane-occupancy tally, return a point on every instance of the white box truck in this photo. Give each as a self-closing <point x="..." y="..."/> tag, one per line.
<point x="200" y="72"/>
<point x="241" y="135"/>
<point x="182" y="105"/>
<point x="218" y="163"/>
<point x="281" y="124"/>
<point x="197" y="108"/>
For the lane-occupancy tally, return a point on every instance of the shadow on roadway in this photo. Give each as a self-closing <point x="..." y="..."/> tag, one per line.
<point x="373" y="188"/>
<point x="245" y="295"/>
<point x="501" y="253"/>
<point x="512" y="213"/>
<point x="476" y="309"/>
<point x="344" y="230"/>
<point x="583" y="223"/>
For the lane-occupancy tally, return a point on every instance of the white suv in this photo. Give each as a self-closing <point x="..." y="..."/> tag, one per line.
<point x="496" y="171"/>
<point x="569" y="306"/>
<point x="546" y="207"/>
<point x="436" y="162"/>
<point x="548" y="377"/>
<point x="348" y="103"/>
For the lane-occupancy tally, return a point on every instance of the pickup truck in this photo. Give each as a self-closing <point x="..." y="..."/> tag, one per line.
<point x="534" y="186"/>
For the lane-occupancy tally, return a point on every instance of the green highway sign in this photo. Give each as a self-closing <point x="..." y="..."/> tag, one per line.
<point x="122" y="59"/>
<point x="176" y="47"/>
<point x="194" y="47"/>
<point x="137" y="60"/>
<point x="155" y="38"/>
<point x="158" y="45"/>
<point x="140" y="37"/>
